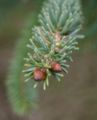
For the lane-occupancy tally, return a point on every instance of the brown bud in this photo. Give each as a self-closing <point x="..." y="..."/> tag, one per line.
<point x="56" y="67"/>
<point x="39" y="74"/>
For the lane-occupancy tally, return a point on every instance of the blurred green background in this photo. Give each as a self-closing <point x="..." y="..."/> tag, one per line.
<point x="73" y="99"/>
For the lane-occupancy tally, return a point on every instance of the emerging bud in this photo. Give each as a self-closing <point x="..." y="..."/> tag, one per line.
<point x="39" y="74"/>
<point x="56" y="67"/>
<point x="58" y="36"/>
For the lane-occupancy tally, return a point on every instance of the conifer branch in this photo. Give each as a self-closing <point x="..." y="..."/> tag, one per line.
<point x="55" y="39"/>
<point x="21" y="96"/>
<point x="48" y="51"/>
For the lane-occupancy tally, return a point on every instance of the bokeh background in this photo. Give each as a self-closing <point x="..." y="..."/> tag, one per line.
<point x="73" y="99"/>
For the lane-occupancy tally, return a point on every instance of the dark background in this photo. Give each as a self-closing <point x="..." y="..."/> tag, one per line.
<point x="73" y="99"/>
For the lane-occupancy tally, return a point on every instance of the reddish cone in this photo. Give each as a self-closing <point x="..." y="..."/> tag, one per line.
<point x="39" y="74"/>
<point x="56" y="67"/>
